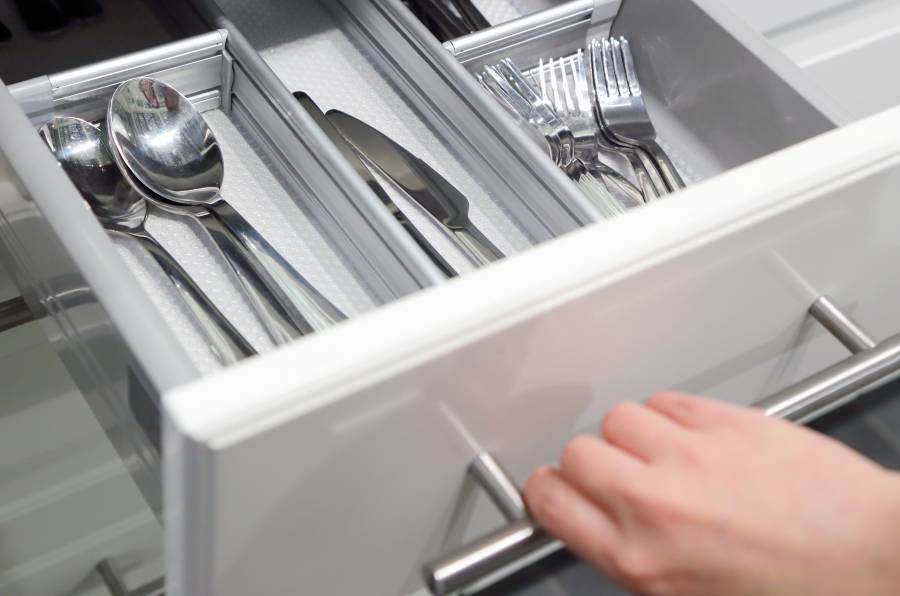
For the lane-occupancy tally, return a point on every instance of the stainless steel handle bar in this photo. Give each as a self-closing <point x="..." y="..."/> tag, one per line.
<point x="522" y="542"/>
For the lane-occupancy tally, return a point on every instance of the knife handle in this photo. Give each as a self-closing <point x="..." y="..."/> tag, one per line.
<point x="476" y="245"/>
<point x="425" y="245"/>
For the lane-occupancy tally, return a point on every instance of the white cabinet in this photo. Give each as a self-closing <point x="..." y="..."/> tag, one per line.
<point x="848" y="47"/>
<point x="337" y="464"/>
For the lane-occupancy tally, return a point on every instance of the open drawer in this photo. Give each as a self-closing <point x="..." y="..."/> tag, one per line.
<point x="337" y="464"/>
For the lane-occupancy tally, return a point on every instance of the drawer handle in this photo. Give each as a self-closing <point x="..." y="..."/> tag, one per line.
<point x="521" y="542"/>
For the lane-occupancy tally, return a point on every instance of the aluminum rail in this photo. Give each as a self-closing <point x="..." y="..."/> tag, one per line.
<point x="521" y="542"/>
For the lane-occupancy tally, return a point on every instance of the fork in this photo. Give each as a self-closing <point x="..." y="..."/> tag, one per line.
<point x="570" y="98"/>
<point x="622" y="107"/>
<point x="507" y="83"/>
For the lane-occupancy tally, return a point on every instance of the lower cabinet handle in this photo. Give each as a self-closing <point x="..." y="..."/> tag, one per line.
<point x="521" y="542"/>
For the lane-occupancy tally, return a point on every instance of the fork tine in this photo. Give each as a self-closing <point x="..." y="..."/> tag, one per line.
<point x="597" y="75"/>
<point x="630" y="71"/>
<point x="543" y="81"/>
<point x="567" y="93"/>
<point x="619" y="66"/>
<point x="554" y="84"/>
<point x="581" y="90"/>
<point x="612" y="84"/>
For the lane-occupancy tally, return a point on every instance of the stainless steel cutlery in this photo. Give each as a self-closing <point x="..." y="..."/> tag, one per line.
<point x="355" y="160"/>
<point x="622" y="108"/>
<point x="564" y="84"/>
<point x="81" y="149"/>
<point x="587" y="106"/>
<point x="161" y="154"/>
<point x="158" y="136"/>
<point x="511" y="86"/>
<point x="437" y="197"/>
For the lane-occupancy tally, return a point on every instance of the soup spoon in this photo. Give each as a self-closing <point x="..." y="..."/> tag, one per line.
<point x="164" y="141"/>
<point x="80" y="148"/>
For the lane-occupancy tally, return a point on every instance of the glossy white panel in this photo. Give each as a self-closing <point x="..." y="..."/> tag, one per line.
<point x="853" y="53"/>
<point x="336" y="465"/>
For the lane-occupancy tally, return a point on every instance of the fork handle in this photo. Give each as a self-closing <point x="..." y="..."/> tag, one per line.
<point x="664" y="164"/>
<point x="645" y="181"/>
<point x="611" y="177"/>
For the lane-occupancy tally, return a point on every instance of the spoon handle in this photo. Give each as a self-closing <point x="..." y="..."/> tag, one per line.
<point x="226" y="342"/>
<point x="305" y="307"/>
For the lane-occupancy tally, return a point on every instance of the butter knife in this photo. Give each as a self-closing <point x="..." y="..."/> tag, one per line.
<point x="431" y="191"/>
<point x="349" y="153"/>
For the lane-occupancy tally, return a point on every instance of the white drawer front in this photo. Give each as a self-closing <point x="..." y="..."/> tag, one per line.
<point x="336" y="466"/>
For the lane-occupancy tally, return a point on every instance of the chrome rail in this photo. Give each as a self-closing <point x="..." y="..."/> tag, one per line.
<point x="522" y="542"/>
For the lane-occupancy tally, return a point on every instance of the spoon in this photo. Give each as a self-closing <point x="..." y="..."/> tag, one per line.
<point x="164" y="141"/>
<point x="80" y="148"/>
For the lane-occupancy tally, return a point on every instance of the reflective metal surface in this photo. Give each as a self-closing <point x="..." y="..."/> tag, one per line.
<point x="168" y="146"/>
<point x="354" y="160"/>
<point x="440" y="199"/>
<point x="841" y="326"/>
<point x="509" y="85"/>
<point x="575" y="107"/>
<point x="80" y="148"/>
<point x="621" y="105"/>
<point x="498" y="484"/>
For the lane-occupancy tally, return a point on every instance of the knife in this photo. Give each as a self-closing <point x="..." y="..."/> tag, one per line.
<point x="431" y="191"/>
<point x="350" y="155"/>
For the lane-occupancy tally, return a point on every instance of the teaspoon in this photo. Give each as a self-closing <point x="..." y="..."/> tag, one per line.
<point x="80" y="148"/>
<point x="159" y="136"/>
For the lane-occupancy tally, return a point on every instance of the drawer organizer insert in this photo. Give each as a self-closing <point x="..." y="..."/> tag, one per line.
<point x="718" y="94"/>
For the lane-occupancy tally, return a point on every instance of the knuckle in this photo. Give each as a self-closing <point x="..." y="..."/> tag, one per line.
<point x="577" y="453"/>
<point x="667" y="398"/>
<point x="616" y="418"/>
<point x="549" y="506"/>
<point x="637" y="567"/>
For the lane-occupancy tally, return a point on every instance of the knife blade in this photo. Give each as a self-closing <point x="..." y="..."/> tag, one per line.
<point x="349" y="153"/>
<point x="431" y="191"/>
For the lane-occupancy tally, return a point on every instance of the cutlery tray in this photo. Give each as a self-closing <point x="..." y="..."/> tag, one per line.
<point x="266" y="179"/>
<point x="342" y="54"/>
<point x="114" y="313"/>
<point x="718" y="94"/>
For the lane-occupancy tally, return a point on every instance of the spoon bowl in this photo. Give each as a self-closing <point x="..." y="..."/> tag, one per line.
<point x="165" y="142"/>
<point x="81" y="149"/>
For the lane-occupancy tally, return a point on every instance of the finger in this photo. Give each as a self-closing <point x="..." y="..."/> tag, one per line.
<point x="571" y="517"/>
<point x="641" y="431"/>
<point x="601" y="471"/>
<point x="698" y="413"/>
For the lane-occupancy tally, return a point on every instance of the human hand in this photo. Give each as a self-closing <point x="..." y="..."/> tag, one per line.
<point x="685" y="496"/>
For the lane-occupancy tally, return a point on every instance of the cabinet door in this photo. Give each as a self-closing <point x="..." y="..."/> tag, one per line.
<point x="337" y="465"/>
